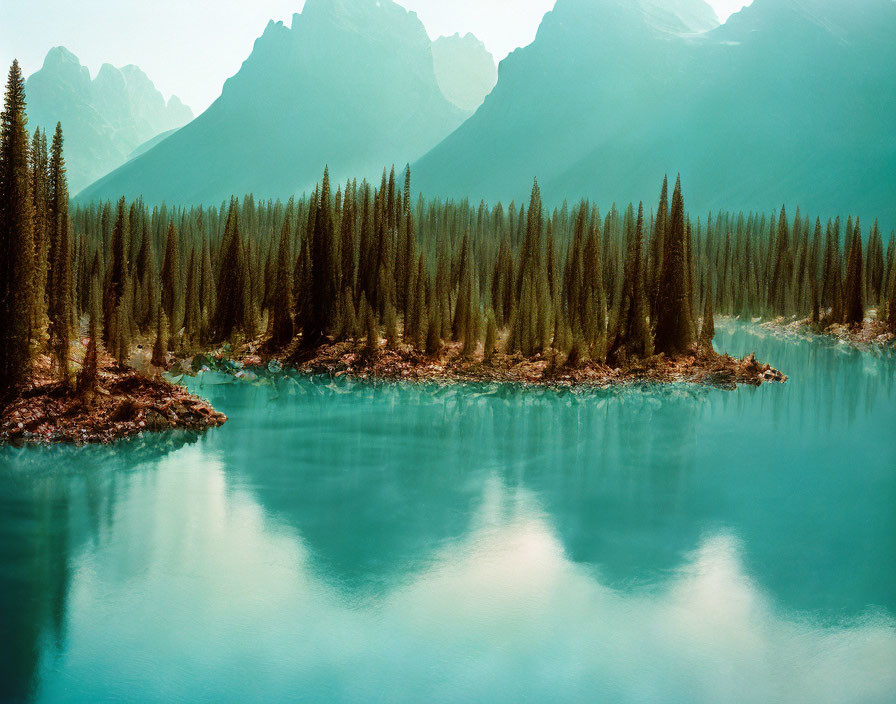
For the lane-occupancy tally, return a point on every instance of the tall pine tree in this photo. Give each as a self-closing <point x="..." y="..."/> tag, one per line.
<point x="17" y="266"/>
<point x="675" y="327"/>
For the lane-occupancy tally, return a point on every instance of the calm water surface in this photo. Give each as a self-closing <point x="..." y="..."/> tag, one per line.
<point x="337" y="542"/>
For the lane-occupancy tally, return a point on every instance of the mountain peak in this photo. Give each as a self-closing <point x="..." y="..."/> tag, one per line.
<point x="104" y="118"/>
<point x="351" y="83"/>
<point x="61" y="63"/>
<point x="788" y="97"/>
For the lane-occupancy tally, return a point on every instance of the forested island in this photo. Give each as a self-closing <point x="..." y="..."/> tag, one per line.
<point x="368" y="280"/>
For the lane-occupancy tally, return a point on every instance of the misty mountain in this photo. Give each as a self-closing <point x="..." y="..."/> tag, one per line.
<point x="789" y="100"/>
<point x="465" y="70"/>
<point x="351" y="84"/>
<point x="103" y="119"/>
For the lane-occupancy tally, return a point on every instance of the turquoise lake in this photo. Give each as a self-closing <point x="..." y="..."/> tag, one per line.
<point x="344" y="542"/>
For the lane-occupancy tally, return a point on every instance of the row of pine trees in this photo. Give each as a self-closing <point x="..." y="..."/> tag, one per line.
<point x="37" y="289"/>
<point x="370" y="261"/>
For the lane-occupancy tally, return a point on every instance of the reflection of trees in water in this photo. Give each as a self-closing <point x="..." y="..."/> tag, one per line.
<point x="53" y="501"/>
<point x="631" y="479"/>
<point x="372" y="478"/>
<point x="635" y="454"/>
<point x="389" y="474"/>
<point x="829" y="383"/>
<point x="828" y="438"/>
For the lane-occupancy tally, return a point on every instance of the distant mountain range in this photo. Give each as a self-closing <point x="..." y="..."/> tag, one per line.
<point x="103" y="119"/>
<point x="352" y="85"/>
<point x="790" y="100"/>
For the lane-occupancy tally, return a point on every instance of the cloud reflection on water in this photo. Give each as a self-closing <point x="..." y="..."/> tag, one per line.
<point x="232" y="605"/>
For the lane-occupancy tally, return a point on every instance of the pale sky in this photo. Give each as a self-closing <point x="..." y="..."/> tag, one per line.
<point x="189" y="48"/>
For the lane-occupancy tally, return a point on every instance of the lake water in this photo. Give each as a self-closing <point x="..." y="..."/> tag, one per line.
<point x="338" y="542"/>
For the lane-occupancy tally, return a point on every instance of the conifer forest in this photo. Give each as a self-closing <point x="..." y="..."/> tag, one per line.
<point x="372" y="262"/>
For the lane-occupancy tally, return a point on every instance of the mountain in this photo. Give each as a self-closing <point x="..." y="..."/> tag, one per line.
<point x="350" y="85"/>
<point x="150" y="143"/>
<point x="679" y="16"/>
<point x="103" y="119"/>
<point x="790" y="100"/>
<point x="465" y="70"/>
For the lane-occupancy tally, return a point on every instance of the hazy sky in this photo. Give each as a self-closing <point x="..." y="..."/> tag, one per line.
<point x="190" y="48"/>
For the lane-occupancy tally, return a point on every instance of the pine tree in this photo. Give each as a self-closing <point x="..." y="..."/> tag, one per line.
<point x="434" y="331"/>
<point x="783" y="269"/>
<point x="854" y="308"/>
<point x="114" y="331"/>
<point x="348" y="326"/>
<point x="815" y="300"/>
<point x="282" y="330"/>
<point x="371" y="328"/>
<point x="321" y="294"/>
<point x="192" y="308"/>
<point x="491" y="336"/>
<point x="147" y="283"/>
<point x="233" y="283"/>
<point x="17" y="266"/>
<point x="347" y="243"/>
<point x="708" y="330"/>
<point x="61" y="305"/>
<point x="675" y="328"/>
<point x="39" y="194"/>
<point x="390" y="321"/>
<point x="657" y="247"/>
<point x="88" y="376"/>
<point x="634" y="332"/>
<point x="420" y="313"/>
<point x="172" y="295"/>
<point x="160" y="345"/>
<point x="206" y="292"/>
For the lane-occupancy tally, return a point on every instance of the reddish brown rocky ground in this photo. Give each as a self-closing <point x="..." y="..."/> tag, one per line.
<point x="123" y="404"/>
<point x="404" y="363"/>
<point x="871" y="332"/>
<point x="127" y="402"/>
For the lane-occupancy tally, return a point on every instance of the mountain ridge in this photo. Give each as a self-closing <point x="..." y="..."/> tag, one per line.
<point x="781" y="103"/>
<point x="350" y="84"/>
<point x="103" y="118"/>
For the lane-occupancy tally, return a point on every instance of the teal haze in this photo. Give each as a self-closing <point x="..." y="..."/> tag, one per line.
<point x="104" y="119"/>
<point x="465" y="70"/>
<point x="337" y="542"/>
<point x="351" y="85"/>
<point x="788" y="101"/>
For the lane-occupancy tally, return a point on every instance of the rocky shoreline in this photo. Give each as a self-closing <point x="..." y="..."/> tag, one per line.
<point x="128" y="402"/>
<point x="403" y="363"/>
<point x="123" y="404"/>
<point x="870" y="334"/>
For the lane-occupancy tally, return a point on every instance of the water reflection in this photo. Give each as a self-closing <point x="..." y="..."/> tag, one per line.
<point x="54" y="502"/>
<point x="338" y="541"/>
<point x="500" y="614"/>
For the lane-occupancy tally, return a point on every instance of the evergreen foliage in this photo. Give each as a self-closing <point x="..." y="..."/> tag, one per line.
<point x="674" y="325"/>
<point x="61" y="305"/>
<point x="534" y="282"/>
<point x="18" y="274"/>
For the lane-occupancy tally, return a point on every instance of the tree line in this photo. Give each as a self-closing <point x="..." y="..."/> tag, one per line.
<point x="372" y="261"/>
